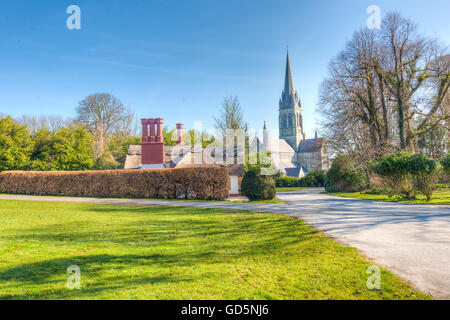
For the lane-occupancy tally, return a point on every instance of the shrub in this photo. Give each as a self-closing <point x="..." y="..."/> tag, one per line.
<point x="396" y="176"/>
<point x="287" y="182"/>
<point x="445" y="162"/>
<point x="344" y="176"/>
<point x="404" y="174"/>
<point x="258" y="187"/>
<point x="206" y="183"/>
<point x="314" y="178"/>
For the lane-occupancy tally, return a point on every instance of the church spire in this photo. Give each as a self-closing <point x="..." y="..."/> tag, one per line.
<point x="290" y="112"/>
<point x="288" y="83"/>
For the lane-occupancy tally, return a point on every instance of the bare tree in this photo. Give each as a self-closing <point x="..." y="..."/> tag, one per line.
<point x="231" y="116"/>
<point x="414" y="66"/>
<point x="384" y="90"/>
<point x="51" y="123"/>
<point x="102" y="114"/>
<point x="353" y="101"/>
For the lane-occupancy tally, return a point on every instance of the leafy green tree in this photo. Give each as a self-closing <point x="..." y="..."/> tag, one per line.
<point x="68" y="148"/>
<point x="117" y="151"/>
<point x="170" y="136"/>
<point x="40" y="158"/>
<point x="15" y="145"/>
<point x="191" y="137"/>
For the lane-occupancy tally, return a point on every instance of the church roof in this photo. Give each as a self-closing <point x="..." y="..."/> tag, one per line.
<point x="311" y="145"/>
<point x="273" y="145"/>
<point x="279" y="145"/>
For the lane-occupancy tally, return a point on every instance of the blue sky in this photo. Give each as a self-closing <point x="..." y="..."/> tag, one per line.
<point x="179" y="59"/>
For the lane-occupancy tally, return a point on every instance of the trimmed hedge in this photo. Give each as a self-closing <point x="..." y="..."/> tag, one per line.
<point x="286" y="182"/>
<point x="202" y="183"/>
<point x="258" y="187"/>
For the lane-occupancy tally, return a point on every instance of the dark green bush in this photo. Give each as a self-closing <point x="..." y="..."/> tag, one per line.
<point x="445" y="162"/>
<point x="258" y="187"/>
<point x="405" y="173"/>
<point x="287" y="182"/>
<point x="344" y="176"/>
<point x="315" y="178"/>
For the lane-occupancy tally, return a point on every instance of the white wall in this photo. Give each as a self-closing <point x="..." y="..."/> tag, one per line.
<point x="234" y="185"/>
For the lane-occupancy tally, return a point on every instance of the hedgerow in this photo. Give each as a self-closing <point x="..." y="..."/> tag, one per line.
<point x="206" y="183"/>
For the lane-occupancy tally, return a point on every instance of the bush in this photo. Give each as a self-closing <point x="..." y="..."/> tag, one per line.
<point x="344" y="176"/>
<point x="404" y="174"/>
<point x="257" y="187"/>
<point x="313" y="179"/>
<point x="287" y="182"/>
<point x="445" y="162"/>
<point x="205" y="183"/>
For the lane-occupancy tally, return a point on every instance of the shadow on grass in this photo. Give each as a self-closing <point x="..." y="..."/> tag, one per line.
<point x="195" y="236"/>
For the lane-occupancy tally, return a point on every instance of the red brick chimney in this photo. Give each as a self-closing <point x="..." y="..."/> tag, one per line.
<point x="180" y="134"/>
<point x="152" y="142"/>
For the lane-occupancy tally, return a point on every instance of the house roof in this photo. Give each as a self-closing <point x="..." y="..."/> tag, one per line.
<point x="187" y="156"/>
<point x="311" y="145"/>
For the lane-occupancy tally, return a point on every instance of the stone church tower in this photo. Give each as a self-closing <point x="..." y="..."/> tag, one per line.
<point x="290" y="113"/>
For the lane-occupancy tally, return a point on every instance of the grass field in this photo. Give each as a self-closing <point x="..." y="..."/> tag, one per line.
<point x="441" y="197"/>
<point x="176" y="253"/>
<point x="281" y="189"/>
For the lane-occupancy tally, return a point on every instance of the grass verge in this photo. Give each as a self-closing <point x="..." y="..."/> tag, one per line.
<point x="440" y="197"/>
<point x="282" y="189"/>
<point x="176" y="253"/>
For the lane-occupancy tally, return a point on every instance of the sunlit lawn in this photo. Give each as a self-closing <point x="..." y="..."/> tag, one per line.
<point x="176" y="253"/>
<point x="441" y="197"/>
<point x="285" y="189"/>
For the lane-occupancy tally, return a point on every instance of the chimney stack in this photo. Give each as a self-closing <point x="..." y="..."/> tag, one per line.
<point x="180" y="134"/>
<point x="152" y="146"/>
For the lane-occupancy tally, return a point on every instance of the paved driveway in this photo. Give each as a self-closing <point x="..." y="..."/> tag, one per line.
<point x="410" y="240"/>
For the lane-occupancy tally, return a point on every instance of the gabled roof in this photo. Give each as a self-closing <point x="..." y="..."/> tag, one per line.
<point x="274" y="145"/>
<point x="311" y="145"/>
<point x="187" y="156"/>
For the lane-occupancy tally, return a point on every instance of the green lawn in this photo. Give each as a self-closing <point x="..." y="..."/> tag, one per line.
<point x="281" y="189"/>
<point x="176" y="253"/>
<point x="441" y="197"/>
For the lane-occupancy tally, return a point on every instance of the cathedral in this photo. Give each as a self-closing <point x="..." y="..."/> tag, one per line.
<point x="292" y="153"/>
